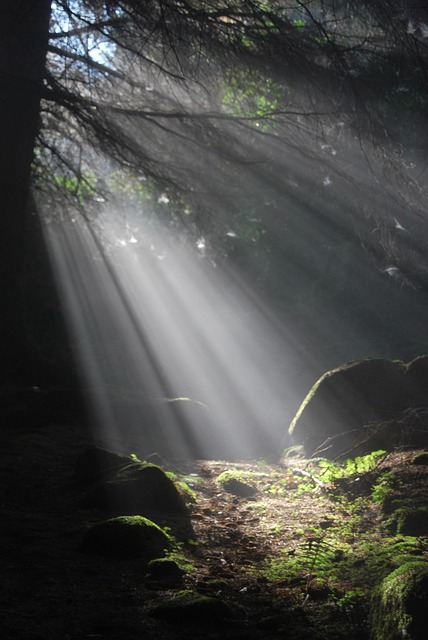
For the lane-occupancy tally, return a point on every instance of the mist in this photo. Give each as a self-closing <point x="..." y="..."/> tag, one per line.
<point x="207" y="292"/>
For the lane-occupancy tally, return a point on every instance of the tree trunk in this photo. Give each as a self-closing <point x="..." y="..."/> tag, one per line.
<point x="24" y="31"/>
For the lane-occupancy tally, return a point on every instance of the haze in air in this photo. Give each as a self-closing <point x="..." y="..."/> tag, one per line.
<point x="237" y="208"/>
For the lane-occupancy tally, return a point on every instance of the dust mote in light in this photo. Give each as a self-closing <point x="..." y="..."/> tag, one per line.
<point x="179" y="357"/>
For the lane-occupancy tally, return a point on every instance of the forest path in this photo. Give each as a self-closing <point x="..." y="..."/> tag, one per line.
<point x="293" y="560"/>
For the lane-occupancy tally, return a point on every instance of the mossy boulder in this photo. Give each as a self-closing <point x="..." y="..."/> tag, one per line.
<point x="235" y="482"/>
<point x="126" y="537"/>
<point x="121" y="484"/>
<point x="399" y="604"/>
<point x="416" y="382"/>
<point x="420" y="459"/>
<point x="344" y="411"/>
<point x="166" y="571"/>
<point x="410" y="520"/>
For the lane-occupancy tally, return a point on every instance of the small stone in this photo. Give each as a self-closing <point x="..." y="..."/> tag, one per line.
<point x="420" y="458"/>
<point x="233" y="482"/>
<point x="239" y="488"/>
<point x="165" y="570"/>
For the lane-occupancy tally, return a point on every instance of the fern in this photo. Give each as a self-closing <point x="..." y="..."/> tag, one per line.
<point x="331" y="471"/>
<point x="319" y="556"/>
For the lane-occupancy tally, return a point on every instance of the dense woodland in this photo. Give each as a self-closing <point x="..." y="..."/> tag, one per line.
<point x="206" y="205"/>
<point x="290" y="136"/>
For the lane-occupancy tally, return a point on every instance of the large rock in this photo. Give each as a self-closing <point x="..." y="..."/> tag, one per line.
<point x="343" y="411"/>
<point x="126" y="537"/>
<point x="410" y="520"/>
<point x="97" y="463"/>
<point x="416" y="382"/>
<point x="120" y="484"/>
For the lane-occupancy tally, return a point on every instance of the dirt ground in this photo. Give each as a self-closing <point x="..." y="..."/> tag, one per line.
<point x="239" y="552"/>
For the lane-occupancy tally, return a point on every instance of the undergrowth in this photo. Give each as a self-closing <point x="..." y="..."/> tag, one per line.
<point x="337" y="550"/>
<point x="348" y="553"/>
<point x="331" y="471"/>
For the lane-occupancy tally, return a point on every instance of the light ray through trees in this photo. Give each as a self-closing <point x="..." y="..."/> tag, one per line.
<point x="294" y="160"/>
<point x="179" y="358"/>
<point x="184" y="357"/>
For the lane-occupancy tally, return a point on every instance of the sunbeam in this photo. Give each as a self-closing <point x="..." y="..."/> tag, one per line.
<point x="178" y="356"/>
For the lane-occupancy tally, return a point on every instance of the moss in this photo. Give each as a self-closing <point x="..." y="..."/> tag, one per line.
<point x="398" y="606"/>
<point x="232" y="474"/>
<point x="333" y="561"/>
<point x="180" y="559"/>
<point x="182" y="484"/>
<point x="127" y="537"/>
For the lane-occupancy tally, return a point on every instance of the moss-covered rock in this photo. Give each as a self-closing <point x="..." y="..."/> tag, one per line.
<point x="332" y="420"/>
<point x="124" y="485"/>
<point x="398" y="606"/>
<point x="420" y="458"/>
<point x="410" y="520"/>
<point x="165" y="570"/>
<point x="235" y="482"/>
<point x="126" y="537"/>
<point x="416" y="380"/>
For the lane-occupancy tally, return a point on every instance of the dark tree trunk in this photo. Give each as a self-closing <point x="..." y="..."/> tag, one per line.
<point x="24" y="29"/>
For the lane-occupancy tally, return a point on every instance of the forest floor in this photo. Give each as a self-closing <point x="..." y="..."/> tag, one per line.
<point x="297" y="559"/>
